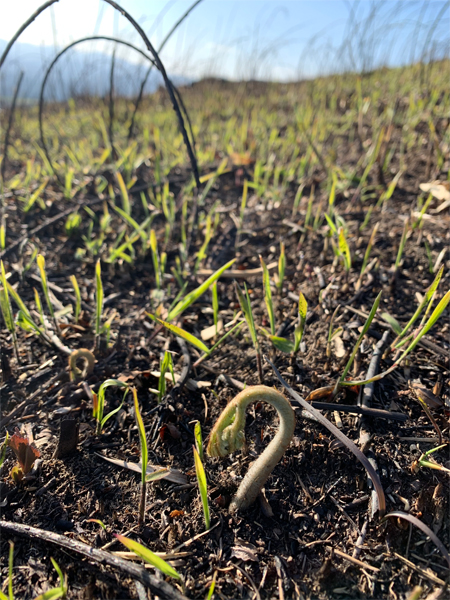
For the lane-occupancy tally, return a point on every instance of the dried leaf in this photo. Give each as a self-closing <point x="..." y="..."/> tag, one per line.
<point x="173" y="476"/>
<point x="25" y="453"/>
<point x="439" y="189"/>
<point x="339" y="348"/>
<point x="243" y="553"/>
<point x="209" y="332"/>
<point x="241" y="159"/>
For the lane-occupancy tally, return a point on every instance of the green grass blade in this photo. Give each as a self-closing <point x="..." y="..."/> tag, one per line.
<point x="331" y="225"/>
<point x="3" y="449"/>
<point x="195" y="294"/>
<point x="198" y="439"/>
<point x="38" y="303"/>
<point x="215" y="304"/>
<point x="426" y="299"/>
<point x="392" y="321"/>
<point x="181" y="333"/>
<point x="344" y="249"/>
<point x="362" y="334"/>
<point x="433" y="287"/>
<point x="246" y="308"/>
<point x="238" y="325"/>
<point x="203" y="487"/>
<point x="123" y="193"/>
<point x="52" y="594"/>
<point x="60" y="573"/>
<point x="429" y="324"/>
<point x="148" y="556"/>
<point x="35" y="196"/>
<point x="98" y="297"/>
<point x="142" y="436"/>
<point x="98" y="412"/>
<point x="402" y="244"/>
<point x="300" y="328"/>
<point x="25" y="322"/>
<point x="211" y="588"/>
<point x="155" y="258"/>
<point x="166" y="364"/>
<point x="6" y="310"/>
<point x="76" y="289"/>
<point x="140" y="229"/>
<point x="10" y="571"/>
<point x="369" y="248"/>
<point x="156" y="475"/>
<point x="40" y="260"/>
<point x="332" y="193"/>
<point x="268" y="295"/>
<point x="110" y="414"/>
<point x="281" y="267"/>
<point x="282" y="344"/>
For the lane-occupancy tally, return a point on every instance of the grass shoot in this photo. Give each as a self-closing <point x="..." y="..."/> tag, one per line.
<point x="202" y="486"/>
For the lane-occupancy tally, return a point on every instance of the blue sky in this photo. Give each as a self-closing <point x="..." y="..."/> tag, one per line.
<point x="266" y="39"/>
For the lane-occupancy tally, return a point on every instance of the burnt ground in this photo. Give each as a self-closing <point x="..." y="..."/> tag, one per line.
<point x="318" y="493"/>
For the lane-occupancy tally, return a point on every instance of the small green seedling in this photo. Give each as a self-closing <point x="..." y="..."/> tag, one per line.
<point x="98" y="521"/>
<point x="190" y="298"/>
<point x="157" y="262"/>
<point x="211" y="587"/>
<point x="123" y="193"/>
<point x="385" y="196"/>
<point x="144" y="457"/>
<point x="193" y="340"/>
<point x="202" y="486"/>
<point x="99" y="402"/>
<point x="10" y="595"/>
<point x="76" y="289"/>
<point x="242" y="211"/>
<point x="37" y="301"/>
<point x="332" y="195"/>
<point x="367" y="255"/>
<point x="59" y="592"/>
<point x="268" y="295"/>
<point x="429" y="257"/>
<point x="5" y="307"/>
<point x="298" y="197"/>
<point x="365" y="329"/>
<point x="165" y="365"/>
<point x="40" y="260"/>
<point x="414" y="339"/>
<point x="285" y="345"/>
<point x="3" y="449"/>
<point x="400" y="251"/>
<point x="198" y="439"/>
<point x="99" y="301"/>
<point x="215" y="304"/>
<point x="149" y="556"/>
<point x="427" y="300"/>
<point x="53" y="594"/>
<point x="344" y="250"/>
<point x="246" y="308"/>
<point x="418" y="222"/>
<point x="281" y="268"/>
<point x="430" y="463"/>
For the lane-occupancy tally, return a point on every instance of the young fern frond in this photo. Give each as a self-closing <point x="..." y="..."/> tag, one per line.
<point x="228" y="436"/>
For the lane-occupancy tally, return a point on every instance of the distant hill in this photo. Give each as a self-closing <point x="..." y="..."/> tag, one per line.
<point x="75" y="74"/>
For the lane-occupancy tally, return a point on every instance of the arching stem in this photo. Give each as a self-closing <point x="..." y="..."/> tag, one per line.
<point x="228" y="435"/>
<point x="89" y="361"/>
